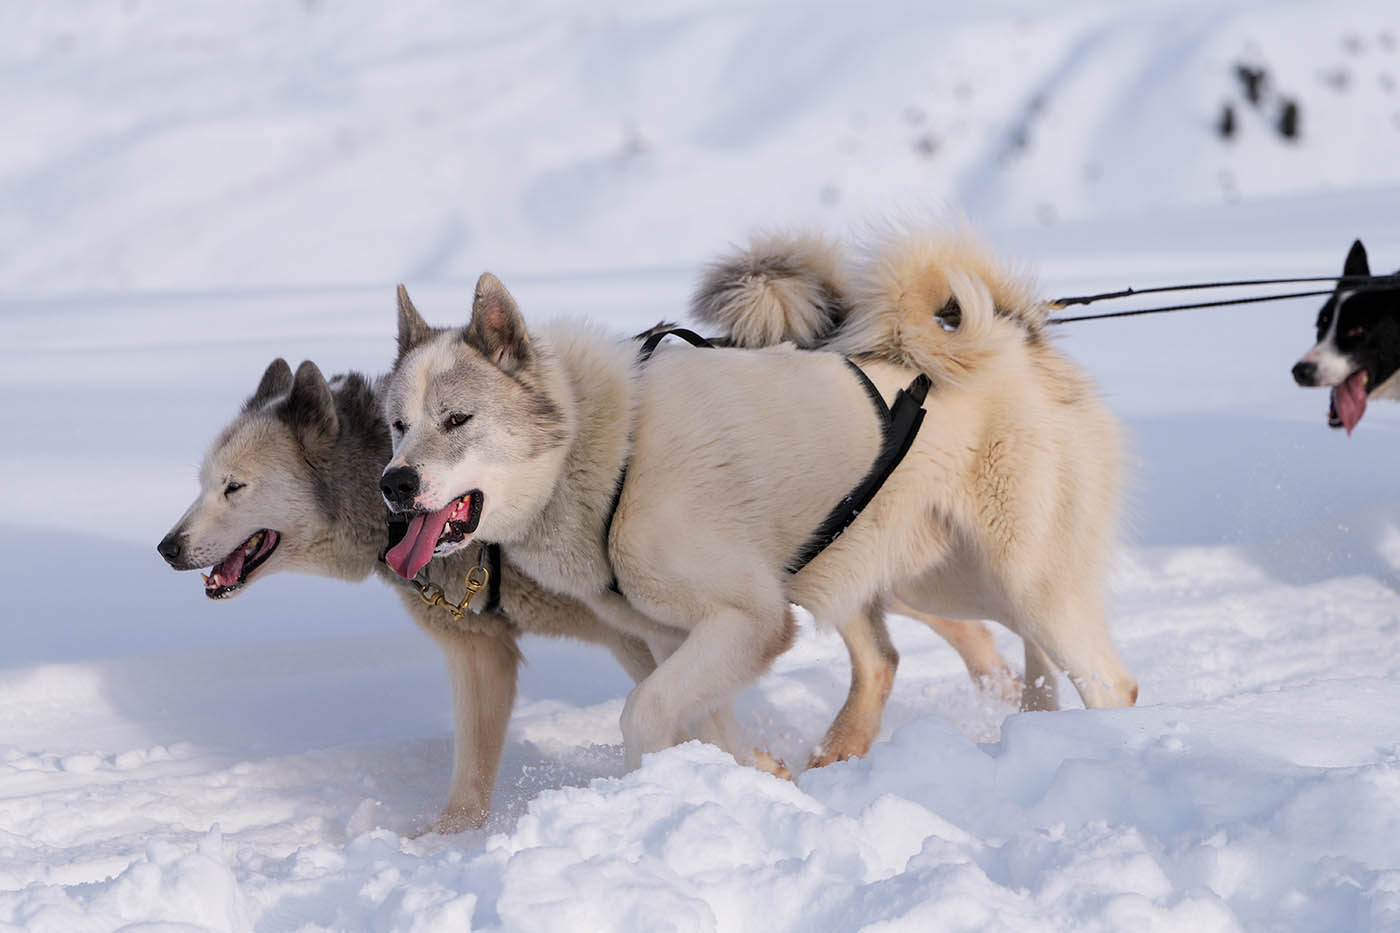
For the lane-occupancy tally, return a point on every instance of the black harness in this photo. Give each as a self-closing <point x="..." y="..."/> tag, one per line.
<point x="899" y="422"/>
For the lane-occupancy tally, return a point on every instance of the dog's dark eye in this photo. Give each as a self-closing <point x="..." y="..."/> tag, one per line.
<point x="949" y="317"/>
<point x="1356" y="332"/>
<point x="399" y="427"/>
<point x="456" y="420"/>
<point x="232" y="488"/>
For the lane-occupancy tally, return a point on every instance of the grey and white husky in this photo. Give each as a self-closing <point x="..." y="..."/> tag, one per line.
<point x="292" y="484"/>
<point x="671" y="495"/>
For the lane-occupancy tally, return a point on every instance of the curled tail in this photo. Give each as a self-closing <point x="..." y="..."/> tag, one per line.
<point x="785" y="287"/>
<point x="938" y="303"/>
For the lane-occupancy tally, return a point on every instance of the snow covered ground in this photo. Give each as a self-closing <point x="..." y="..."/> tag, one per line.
<point x="185" y="194"/>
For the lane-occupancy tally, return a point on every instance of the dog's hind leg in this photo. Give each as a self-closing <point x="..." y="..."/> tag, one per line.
<point x="974" y="642"/>
<point x="873" y="664"/>
<point x="482" y="670"/>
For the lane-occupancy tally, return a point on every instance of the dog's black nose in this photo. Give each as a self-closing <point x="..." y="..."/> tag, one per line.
<point x="170" y="548"/>
<point x="400" y="486"/>
<point x="1305" y="374"/>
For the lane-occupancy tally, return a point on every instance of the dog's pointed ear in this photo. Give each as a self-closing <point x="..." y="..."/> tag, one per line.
<point x="276" y="380"/>
<point x="496" y="327"/>
<point x="1356" y="261"/>
<point x="310" y="409"/>
<point x="413" y="330"/>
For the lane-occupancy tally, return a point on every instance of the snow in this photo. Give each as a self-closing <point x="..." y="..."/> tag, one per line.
<point x="185" y="194"/>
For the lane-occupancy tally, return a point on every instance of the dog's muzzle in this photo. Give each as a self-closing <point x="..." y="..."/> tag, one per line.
<point x="400" y="487"/>
<point x="172" y="547"/>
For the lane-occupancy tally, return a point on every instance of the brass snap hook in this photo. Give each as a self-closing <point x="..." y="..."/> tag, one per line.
<point x="431" y="594"/>
<point x="476" y="579"/>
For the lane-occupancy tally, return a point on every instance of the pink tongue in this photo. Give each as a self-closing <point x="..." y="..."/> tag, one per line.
<point x="1349" y="398"/>
<point x="415" y="550"/>
<point x="226" y="571"/>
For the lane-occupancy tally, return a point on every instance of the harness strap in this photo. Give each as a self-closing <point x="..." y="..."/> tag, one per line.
<point x="492" y="559"/>
<point x="900" y="422"/>
<point x="653" y="340"/>
<point x="649" y="344"/>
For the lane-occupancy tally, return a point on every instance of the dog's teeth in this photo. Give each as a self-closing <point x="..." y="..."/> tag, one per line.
<point x="206" y="578"/>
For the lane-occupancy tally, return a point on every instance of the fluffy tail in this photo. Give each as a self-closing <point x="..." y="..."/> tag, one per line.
<point x="783" y="287"/>
<point x="937" y="303"/>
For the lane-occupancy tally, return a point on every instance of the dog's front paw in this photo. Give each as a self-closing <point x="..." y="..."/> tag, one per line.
<point x="645" y="726"/>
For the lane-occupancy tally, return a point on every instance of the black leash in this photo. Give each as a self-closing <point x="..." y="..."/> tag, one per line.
<point x="1186" y="307"/>
<point x="1197" y="286"/>
<point x="1363" y="280"/>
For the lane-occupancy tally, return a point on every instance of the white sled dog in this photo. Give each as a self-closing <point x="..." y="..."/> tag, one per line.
<point x="292" y="483"/>
<point x="671" y="494"/>
<point x="1024" y="459"/>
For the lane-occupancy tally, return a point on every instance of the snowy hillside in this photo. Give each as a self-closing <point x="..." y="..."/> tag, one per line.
<point x="185" y="194"/>
<point x="328" y="145"/>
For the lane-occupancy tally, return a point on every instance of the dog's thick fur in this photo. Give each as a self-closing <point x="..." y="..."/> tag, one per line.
<point x="308" y="454"/>
<point x="1021" y="456"/>
<point x="1002" y="509"/>
<point x="781" y="289"/>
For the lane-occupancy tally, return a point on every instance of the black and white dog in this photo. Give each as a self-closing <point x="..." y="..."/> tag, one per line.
<point x="1357" y="354"/>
